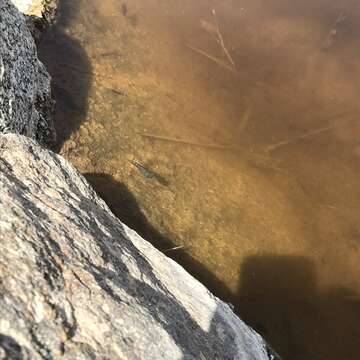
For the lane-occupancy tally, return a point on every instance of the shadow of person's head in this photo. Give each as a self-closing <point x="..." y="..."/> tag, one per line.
<point x="281" y="298"/>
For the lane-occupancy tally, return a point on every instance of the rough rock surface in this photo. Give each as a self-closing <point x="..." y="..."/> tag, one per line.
<point x="45" y="9"/>
<point x="76" y="283"/>
<point x="26" y="106"/>
<point x="39" y="14"/>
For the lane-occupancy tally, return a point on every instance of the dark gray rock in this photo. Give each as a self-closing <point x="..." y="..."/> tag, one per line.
<point x="26" y="106"/>
<point x="76" y="283"/>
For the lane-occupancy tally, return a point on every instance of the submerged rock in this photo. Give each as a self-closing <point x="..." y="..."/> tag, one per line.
<point x="26" y="106"/>
<point x="76" y="283"/>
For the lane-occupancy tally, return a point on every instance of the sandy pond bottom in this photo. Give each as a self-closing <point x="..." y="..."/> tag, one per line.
<point x="253" y="185"/>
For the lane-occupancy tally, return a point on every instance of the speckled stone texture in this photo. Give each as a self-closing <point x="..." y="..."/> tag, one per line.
<point x="26" y="106"/>
<point x="76" y="283"/>
<point x="45" y="9"/>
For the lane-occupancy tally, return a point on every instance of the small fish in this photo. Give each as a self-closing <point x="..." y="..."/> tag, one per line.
<point x="144" y="171"/>
<point x="108" y="54"/>
<point x="116" y="91"/>
<point x="149" y="173"/>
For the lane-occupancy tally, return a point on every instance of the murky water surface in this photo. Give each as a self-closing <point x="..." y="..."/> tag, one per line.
<point x="227" y="133"/>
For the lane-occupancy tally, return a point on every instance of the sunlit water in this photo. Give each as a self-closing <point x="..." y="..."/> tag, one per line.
<point x="250" y="178"/>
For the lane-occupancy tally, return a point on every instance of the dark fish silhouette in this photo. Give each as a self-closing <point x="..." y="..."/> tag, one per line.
<point x="149" y="173"/>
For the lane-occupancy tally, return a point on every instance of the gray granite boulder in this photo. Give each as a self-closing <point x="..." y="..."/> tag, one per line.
<point x="76" y="283"/>
<point x="26" y="106"/>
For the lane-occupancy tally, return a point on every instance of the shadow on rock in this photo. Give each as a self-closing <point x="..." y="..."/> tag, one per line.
<point x="9" y="348"/>
<point x="70" y="69"/>
<point x="162" y="305"/>
<point x="280" y="297"/>
<point x="124" y="206"/>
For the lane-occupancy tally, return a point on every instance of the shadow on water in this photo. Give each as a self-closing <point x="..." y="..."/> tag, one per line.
<point x="280" y="298"/>
<point x="70" y="69"/>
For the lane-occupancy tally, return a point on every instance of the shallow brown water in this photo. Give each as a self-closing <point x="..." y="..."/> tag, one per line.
<point x="258" y="184"/>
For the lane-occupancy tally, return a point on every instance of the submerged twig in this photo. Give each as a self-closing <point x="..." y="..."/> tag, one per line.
<point x="221" y="41"/>
<point x="210" y="57"/>
<point x="301" y="137"/>
<point x="191" y="143"/>
<point x="257" y="159"/>
<point x="244" y="120"/>
<point x="180" y="247"/>
<point x="330" y="38"/>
